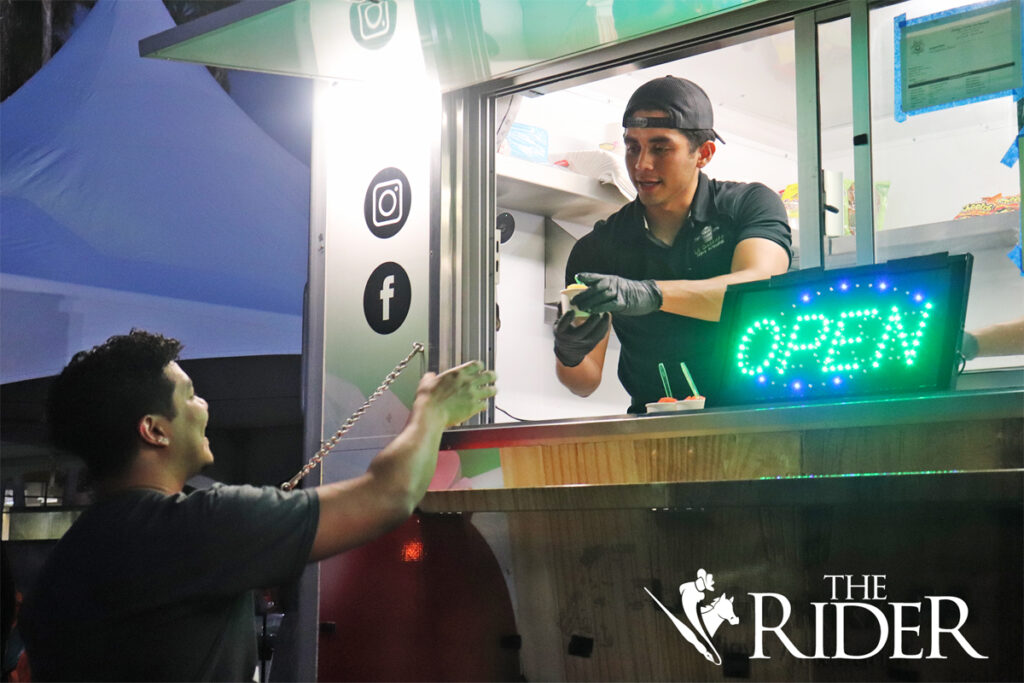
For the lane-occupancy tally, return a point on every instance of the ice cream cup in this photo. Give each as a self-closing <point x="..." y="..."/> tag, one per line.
<point x="688" y="403"/>
<point x="567" y="295"/>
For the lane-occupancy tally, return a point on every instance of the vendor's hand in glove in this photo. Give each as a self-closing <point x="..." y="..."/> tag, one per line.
<point x="614" y="294"/>
<point x="572" y="344"/>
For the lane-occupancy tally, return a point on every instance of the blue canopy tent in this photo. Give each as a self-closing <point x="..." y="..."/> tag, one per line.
<point x="137" y="193"/>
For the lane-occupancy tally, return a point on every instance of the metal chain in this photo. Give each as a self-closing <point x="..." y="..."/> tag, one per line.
<point x="326" y="446"/>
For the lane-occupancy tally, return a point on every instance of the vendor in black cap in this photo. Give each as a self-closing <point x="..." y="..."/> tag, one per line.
<point x="658" y="268"/>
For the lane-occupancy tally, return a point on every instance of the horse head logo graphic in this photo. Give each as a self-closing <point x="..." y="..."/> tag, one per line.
<point x="704" y="619"/>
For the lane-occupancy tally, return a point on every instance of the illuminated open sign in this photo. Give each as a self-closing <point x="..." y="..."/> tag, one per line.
<point x="815" y="334"/>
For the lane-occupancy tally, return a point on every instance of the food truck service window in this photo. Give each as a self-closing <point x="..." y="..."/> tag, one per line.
<point x="560" y="167"/>
<point x="938" y="182"/>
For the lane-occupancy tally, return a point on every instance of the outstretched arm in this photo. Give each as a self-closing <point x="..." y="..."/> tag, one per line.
<point x="357" y="510"/>
<point x="755" y="258"/>
<point x="999" y="339"/>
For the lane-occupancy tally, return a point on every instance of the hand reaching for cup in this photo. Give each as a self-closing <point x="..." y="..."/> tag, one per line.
<point x="458" y="393"/>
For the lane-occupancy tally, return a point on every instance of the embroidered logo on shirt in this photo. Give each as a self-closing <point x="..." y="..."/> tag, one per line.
<point x="710" y="238"/>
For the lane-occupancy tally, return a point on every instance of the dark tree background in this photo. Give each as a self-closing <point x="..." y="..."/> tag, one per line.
<point x="31" y="31"/>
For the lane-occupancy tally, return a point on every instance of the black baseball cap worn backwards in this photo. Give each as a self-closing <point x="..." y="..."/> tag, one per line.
<point x="686" y="102"/>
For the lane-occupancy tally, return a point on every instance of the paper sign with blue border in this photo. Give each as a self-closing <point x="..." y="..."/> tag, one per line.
<point x="956" y="57"/>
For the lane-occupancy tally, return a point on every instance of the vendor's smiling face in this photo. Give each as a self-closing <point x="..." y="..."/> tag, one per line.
<point x="661" y="164"/>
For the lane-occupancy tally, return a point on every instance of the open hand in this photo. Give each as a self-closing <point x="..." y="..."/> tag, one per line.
<point x="458" y="393"/>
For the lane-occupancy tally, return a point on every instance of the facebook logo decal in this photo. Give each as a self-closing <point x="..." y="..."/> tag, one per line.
<point x="387" y="297"/>
<point x="387" y="292"/>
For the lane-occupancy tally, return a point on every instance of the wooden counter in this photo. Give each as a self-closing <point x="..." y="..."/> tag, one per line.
<point x="949" y="431"/>
<point x="925" y="490"/>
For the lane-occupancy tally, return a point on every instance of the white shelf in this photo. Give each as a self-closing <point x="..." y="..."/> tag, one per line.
<point x="552" y="191"/>
<point x="999" y="230"/>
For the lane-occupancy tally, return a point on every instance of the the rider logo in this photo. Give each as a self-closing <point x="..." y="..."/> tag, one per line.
<point x="857" y="621"/>
<point x="373" y="22"/>
<point x="703" y="620"/>
<point x="386" y="298"/>
<point x="387" y="201"/>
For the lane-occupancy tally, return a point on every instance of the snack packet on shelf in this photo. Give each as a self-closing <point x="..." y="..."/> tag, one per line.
<point x="988" y="206"/>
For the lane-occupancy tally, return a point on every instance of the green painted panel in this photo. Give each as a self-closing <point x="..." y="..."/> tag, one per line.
<point x="276" y="41"/>
<point x="479" y="461"/>
<point x="467" y="41"/>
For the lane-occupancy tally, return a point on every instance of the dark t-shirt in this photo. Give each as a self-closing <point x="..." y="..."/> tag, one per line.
<point x="722" y="214"/>
<point x="152" y="587"/>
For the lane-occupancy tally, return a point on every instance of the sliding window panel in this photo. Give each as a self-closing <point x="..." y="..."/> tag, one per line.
<point x="940" y="181"/>
<point x="835" y="83"/>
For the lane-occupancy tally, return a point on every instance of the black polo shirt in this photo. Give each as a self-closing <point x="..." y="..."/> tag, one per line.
<point x="722" y="215"/>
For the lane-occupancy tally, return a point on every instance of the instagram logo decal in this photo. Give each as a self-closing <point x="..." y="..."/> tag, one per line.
<point x="373" y="22"/>
<point x="387" y="201"/>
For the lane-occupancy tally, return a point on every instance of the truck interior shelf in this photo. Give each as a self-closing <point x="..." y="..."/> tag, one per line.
<point x="548" y="190"/>
<point x="955" y="236"/>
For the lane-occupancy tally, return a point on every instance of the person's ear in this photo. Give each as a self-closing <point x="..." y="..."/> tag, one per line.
<point x="705" y="152"/>
<point x="152" y="430"/>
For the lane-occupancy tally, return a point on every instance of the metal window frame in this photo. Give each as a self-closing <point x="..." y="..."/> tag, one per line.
<point x="863" y="177"/>
<point x="466" y="284"/>
<point x="808" y="142"/>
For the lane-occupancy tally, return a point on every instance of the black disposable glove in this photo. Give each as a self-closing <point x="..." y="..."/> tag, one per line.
<point x="572" y="344"/>
<point x="614" y="294"/>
